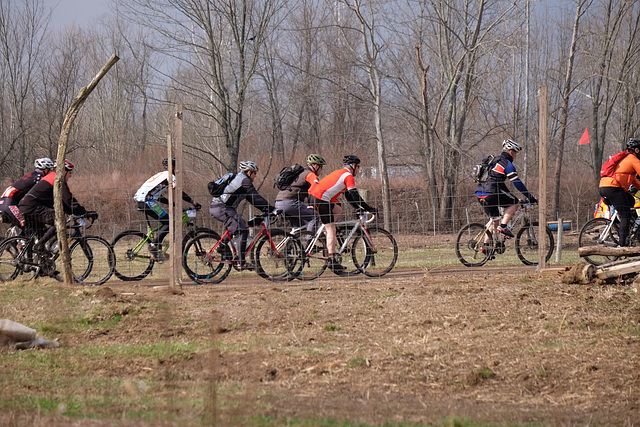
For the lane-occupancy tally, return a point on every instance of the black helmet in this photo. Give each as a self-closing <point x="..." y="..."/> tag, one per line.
<point x="351" y="159"/>
<point x="633" y="143"/>
<point x="165" y="162"/>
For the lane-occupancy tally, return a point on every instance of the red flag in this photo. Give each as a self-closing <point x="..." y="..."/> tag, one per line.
<point x="585" y="137"/>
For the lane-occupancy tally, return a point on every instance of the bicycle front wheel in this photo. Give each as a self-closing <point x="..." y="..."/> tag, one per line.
<point x="376" y="257"/>
<point x="474" y="245"/>
<point x="93" y="260"/>
<point x="527" y="242"/>
<point x="133" y="259"/>
<point x="315" y="257"/>
<point x="11" y="254"/>
<point x="599" y="232"/>
<point x="202" y="268"/>
<point x="280" y="258"/>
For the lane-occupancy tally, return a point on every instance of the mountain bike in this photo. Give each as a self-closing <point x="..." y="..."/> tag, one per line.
<point x="476" y="244"/>
<point x="135" y="257"/>
<point x="92" y="257"/>
<point x="604" y="232"/>
<point x="277" y="255"/>
<point x="366" y="249"/>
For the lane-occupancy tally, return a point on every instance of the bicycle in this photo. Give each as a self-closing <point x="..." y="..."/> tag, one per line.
<point x="277" y="255"/>
<point x="476" y="244"/>
<point x="604" y="231"/>
<point x="135" y="257"/>
<point x="371" y="250"/>
<point x="92" y="257"/>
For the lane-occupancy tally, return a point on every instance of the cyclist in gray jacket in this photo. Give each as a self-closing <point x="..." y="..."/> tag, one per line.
<point x="223" y="207"/>
<point x="291" y="200"/>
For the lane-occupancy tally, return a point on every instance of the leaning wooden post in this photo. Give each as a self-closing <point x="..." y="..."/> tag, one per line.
<point x="72" y="113"/>
<point x="542" y="187"/>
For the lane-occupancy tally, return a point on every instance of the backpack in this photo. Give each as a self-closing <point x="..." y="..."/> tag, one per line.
<point x="216" y="188"/>
<point x="609" y="167"/>
<point x="480" y="172"/>
<point x="287" y="176"/>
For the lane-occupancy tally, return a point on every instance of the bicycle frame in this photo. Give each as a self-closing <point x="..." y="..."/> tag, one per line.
<point x="358" y="224"/>
<point x="265" y="224"/>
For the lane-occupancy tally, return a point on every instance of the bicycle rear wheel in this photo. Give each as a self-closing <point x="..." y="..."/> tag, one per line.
<point x="377" y="258"/>
<point x="474" y="245"/>
<point x="281" y="261"/>
<point x="11" y="254"/>
<point x="592" y="234"/>
<point x="527" y="242"/>
<point x="132" y="255"/>
<point x="315" y="257"/>
<point x="93" y="260"/>
<point x="202" y="268"/>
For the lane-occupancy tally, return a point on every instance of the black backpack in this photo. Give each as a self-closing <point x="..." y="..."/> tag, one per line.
<point x="216" y="188"/>
<point x="287" y="176"/>
<point x="480" y="172"/>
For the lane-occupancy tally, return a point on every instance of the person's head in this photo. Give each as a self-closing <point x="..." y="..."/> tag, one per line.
<point x="316" y="162"/>
<point x="633" y="146"/>
<point x="511" y="147"/>
<point x="44" y="164"/>
<point x="249" y="168"/>
<point x="68" y="167"/>
<point x="165" y="163"/>
<point x="351" y="162"/>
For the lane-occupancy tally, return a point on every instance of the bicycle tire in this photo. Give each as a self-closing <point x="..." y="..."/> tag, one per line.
<point x="469" y="243"/>
<point x="282" y="261"/>
<point x="378" y="260"/>
<point x="202" y="269"/>
<point x="11" y="254"/>
<point x="99" y="257"/>
<point x="315" y="258"/>
<point x="133" y="259"/>
<point x="527" y="243"/>
<point x="591" y="233"/>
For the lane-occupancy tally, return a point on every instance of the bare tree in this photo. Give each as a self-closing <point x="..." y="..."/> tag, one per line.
<point x="615" y="55"/>
<point x="581" y="8"/>
<point x="216" y="47"/>
<point x="23" y="25"/>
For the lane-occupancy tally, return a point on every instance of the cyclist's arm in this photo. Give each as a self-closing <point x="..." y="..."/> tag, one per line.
<point x="255" y="198"/>
<point x="511" y="173"/>
<point x="354" y="199"/>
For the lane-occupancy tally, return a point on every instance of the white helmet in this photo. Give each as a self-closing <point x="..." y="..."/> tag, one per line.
<point x="509" y="144"/>
<point x="43" y="163"/>
<point x="247" y="166"/>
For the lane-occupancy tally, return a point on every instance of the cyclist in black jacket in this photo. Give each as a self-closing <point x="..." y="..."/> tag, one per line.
<point x="223" y="207"/>
<point x="16" y="191"/>
<point x="37" y="205"/>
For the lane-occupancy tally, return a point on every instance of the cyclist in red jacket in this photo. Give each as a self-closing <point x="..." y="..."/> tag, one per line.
<point x="16" y="191"/>
<point x="37" y="205"/>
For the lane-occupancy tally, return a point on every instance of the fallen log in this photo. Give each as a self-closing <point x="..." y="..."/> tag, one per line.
<point x="607" y="271"/>
<point x="608" y="251"/>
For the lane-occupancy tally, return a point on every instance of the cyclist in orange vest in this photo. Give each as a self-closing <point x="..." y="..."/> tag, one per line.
<point x="326" y="194"/>
<point x="618" y="188"/>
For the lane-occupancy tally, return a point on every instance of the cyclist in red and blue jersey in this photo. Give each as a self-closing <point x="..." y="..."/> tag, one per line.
<point x="493" y="194"/>
<point x="16" y="191"/>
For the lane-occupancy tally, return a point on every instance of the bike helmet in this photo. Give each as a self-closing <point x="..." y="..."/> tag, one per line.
<point x="316" y="159"/>
<point x="351" y="159"/>
<point x="509" y="144"/>
<point x="633" y="143"/>
<point x="67" y="165"/>
<point x="44" y="163"/>
<point x="165" y="162"/>
<point x="248" y="166"/>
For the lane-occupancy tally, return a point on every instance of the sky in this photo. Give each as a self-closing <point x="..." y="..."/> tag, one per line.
<point x="79" y="11"/>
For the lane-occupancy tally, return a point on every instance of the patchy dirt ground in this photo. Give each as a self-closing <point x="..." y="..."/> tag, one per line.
<point x="496" y="345"/>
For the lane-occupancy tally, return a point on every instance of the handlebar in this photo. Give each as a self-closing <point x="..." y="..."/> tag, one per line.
<point x="368" y="215"/>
